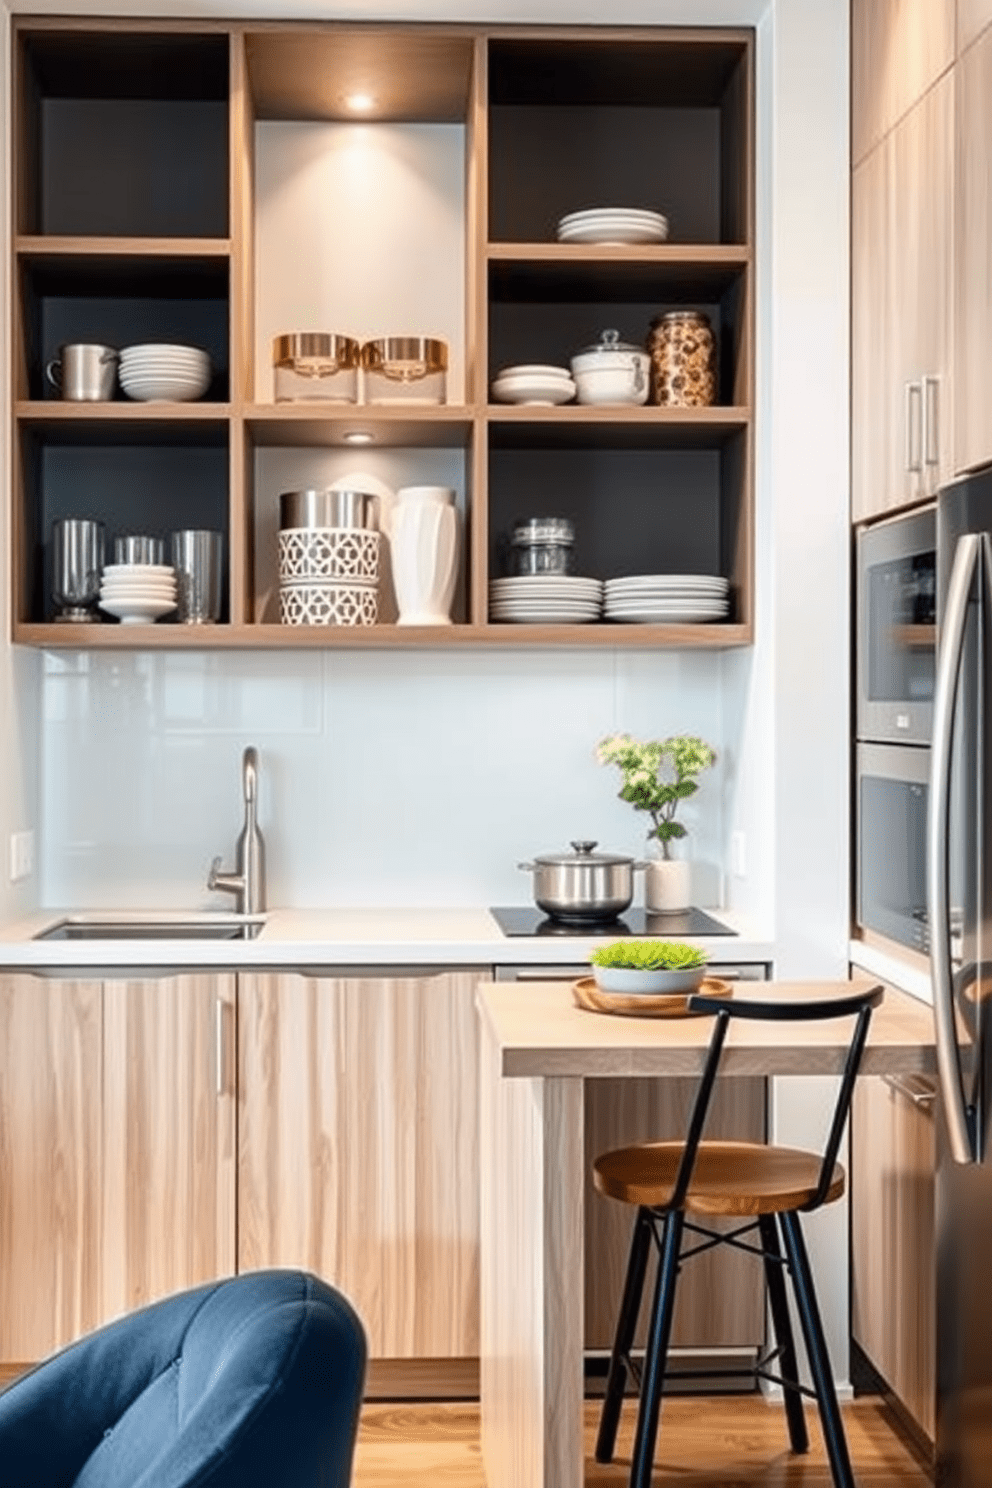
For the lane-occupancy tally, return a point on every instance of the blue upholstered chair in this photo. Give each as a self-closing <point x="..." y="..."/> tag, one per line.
<point x="249" y="1382"/>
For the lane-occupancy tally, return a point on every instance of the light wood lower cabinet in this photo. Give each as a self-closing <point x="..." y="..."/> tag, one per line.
<point x="720" y="1302"/>
<point x="51" y="1063"/>
<point x="893" y="1157"/>
<point x="358" y="1147"/>
<point x="169" y="1170"/>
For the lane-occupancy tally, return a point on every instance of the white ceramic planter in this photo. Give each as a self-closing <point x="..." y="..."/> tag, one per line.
<point x="422" y="526"/>
<point x="667" y="885"/>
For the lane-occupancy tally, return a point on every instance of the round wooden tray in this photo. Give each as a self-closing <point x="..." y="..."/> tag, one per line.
<point x="645" y="1004"/>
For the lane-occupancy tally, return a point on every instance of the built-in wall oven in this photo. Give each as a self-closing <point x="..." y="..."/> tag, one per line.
<point x="896" y="612"/>
<point x="895" y="655"/>
<point x="891" y="793"/>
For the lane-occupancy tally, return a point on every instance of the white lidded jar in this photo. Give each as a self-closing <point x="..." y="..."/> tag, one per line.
<point x="423" y="530"/>
<point x="611" y="372"/>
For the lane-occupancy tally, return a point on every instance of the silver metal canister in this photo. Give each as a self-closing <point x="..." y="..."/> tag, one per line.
<point x="327" y="509"/>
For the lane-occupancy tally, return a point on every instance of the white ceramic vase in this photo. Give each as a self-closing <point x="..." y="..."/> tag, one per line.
<point x="422" y="527"/>
<point x="667" y="885"/>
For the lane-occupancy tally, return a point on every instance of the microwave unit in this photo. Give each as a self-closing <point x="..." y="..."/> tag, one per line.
<point x="895" y="615"/>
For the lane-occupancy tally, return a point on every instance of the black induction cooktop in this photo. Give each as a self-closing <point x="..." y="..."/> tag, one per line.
<point x="522" y="920"/>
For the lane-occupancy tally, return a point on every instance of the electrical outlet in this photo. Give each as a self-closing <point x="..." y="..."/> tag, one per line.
<point x="21" y="855"/>
<point x="738" y="855"/>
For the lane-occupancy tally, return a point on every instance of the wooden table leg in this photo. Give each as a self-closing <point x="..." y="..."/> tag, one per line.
<point x="531" y="1152"/>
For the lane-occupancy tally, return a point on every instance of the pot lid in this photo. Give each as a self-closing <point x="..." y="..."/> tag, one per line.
<point x="582" y="852"/>
<point x="609" y="342"/>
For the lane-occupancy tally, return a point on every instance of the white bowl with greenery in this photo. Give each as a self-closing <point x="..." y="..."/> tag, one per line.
<point x="648" y="966"/>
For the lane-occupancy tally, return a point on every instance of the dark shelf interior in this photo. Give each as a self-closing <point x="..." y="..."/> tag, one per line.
<point x="526" y="329"/>
<point x="636" y="511"/>
<point x="119" y="302"/>
<point x="156" y="487"/>
<point x="661" y="124"/>
<point x="124" y="134"/>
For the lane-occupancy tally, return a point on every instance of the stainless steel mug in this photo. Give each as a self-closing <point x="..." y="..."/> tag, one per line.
<point x="197" y="557"/>
<point x="77" y="563"/>
<point x="84" y="373"/>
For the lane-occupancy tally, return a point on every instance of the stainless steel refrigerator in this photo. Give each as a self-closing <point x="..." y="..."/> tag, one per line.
<point x="959" y="914"/>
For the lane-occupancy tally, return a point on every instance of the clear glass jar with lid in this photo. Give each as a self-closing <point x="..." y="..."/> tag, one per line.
<point x="312" y="365"/>
<point x="542" y="545"/>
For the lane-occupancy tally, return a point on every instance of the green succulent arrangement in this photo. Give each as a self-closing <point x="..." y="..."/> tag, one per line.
<point x="657" y="775"/>
<point x="649" y="955"/>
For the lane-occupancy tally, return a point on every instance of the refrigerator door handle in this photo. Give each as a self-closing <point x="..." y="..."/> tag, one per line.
<point x="967" y="556"/>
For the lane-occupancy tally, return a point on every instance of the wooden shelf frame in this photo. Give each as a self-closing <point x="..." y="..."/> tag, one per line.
<point x="266" y="83"/>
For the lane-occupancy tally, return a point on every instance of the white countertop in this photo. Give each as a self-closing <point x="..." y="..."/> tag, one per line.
<point x="335" y="938"/>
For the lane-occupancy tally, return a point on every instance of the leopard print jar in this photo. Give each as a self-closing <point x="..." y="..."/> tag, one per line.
<point x="683" y="360"/>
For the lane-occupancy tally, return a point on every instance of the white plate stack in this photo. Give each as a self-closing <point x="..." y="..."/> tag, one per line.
<point x="613" y="225"/>
<point x="156" y="372"/>
<point x="138" y="593"/>
<point x="545" y="599"/>
<point x="667" y="599"/>
<point x="534" y="383"/>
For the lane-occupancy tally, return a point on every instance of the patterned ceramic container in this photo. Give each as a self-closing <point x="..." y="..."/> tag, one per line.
<point x="349" y="553"/>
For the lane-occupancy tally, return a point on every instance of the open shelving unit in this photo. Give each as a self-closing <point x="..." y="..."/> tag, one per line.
<point x="137" y="215"/>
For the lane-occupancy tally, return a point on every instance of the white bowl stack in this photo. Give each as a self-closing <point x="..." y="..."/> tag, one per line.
<point x="613" y="225"/>
<point x="546" y="386"/>
<point x="545" y="599"/>
<point x="328" y="576"/>
<point x="667" y="599"/>
<point x="138" y="593"/>
<point x="159" y="372"/>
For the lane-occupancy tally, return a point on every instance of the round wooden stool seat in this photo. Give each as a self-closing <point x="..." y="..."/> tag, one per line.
<point x="729" y="1178"/>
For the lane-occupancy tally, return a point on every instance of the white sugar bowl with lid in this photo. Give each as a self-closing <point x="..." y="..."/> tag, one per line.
<point x="612" y="371"/>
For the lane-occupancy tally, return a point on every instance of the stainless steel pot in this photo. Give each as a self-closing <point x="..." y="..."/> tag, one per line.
<point x="583" y="886"/>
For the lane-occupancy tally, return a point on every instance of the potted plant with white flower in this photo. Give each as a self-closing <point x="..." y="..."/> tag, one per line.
<point x="658" y="774"/>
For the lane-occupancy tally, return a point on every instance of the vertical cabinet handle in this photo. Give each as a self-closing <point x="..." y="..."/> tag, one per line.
<point x="931" y="426"/>
<point x="220" y="1046"/>
<point x="914" y="431"/>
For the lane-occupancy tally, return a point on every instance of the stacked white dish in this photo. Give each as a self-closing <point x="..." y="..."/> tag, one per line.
<point x="534" y="383"/>
<point x="613" y="225"/>
<point x="138" y="593"/>
<point x="163" y="373"/>
<point x="545" y="599"/>
<point x="667" y="599"/>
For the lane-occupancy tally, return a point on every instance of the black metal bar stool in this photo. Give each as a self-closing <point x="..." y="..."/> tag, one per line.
<point x="767" y="1186"/>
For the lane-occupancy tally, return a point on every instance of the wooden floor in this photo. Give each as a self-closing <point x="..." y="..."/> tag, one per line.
<point x="703" y="1443"/>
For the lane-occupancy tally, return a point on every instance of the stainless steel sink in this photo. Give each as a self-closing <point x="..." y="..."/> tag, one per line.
<point x="186" y="927"/>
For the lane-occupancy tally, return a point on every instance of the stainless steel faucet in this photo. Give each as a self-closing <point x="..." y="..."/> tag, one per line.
<point x="248" y="879"/>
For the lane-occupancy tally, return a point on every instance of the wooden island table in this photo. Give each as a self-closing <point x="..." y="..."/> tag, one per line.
<point x="537" y="1049"/>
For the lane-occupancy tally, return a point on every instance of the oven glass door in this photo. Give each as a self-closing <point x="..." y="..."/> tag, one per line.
<point x="891" y="890"/>
<point x="897" y="581"/>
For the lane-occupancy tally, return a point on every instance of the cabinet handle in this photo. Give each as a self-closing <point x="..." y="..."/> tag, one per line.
<point x="921" y="1095"/>
<point x="914" y="400"/>
<point x="931" y="426"/>
<point x="220" y="1045"/>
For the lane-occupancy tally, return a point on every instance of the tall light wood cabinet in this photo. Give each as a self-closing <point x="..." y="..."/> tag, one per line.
<point x="358" y="1147"/>
<point x="902" y="209"/>
<point x="893" y="1250"/>
<point x="898" y="50"/>
<point x="168" y="1195"/>
<point x="51" y="1067"/>
<point x="973" y="253"/>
